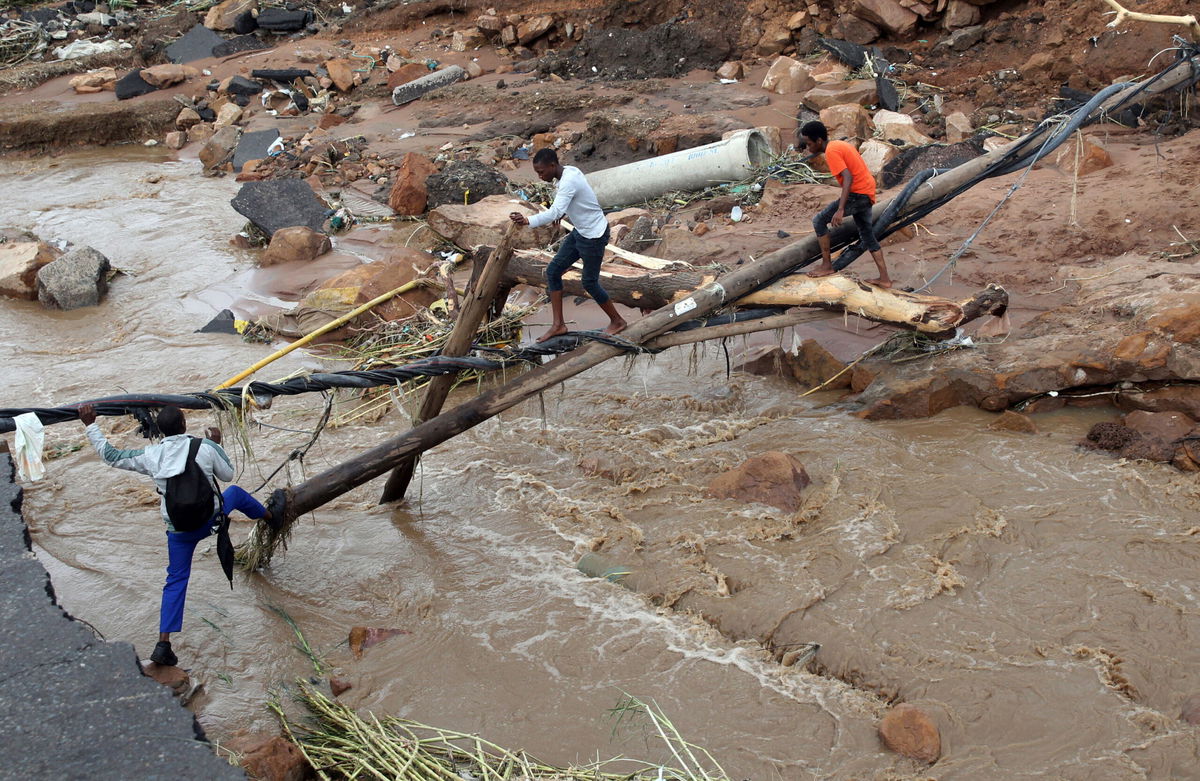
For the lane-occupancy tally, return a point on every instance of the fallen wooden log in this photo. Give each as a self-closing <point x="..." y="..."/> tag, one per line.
<point x="479" y="295"/>
<point x="655" y="289"/>
<point x="287" y="504"/>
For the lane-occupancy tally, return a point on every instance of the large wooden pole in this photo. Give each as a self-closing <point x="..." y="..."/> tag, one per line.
<point x="474" y="310"/>
<point x="366" y="466"/>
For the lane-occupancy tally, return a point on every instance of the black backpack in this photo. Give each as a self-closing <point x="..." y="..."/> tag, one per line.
<point x="189" y="497"/>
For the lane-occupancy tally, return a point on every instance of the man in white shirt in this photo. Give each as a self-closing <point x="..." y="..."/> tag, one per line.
<point x="574" y="199"/>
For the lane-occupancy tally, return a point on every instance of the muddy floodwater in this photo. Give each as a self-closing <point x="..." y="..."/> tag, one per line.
<point x="1040" y="602"/>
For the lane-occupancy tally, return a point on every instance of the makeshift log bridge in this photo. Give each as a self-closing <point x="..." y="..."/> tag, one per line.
<point x="922" y="196"/>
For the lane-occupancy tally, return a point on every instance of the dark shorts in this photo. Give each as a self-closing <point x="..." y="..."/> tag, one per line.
<point x="858" y="206"/>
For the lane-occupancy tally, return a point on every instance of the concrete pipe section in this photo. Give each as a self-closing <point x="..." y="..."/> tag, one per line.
<point x="730" y="160"/>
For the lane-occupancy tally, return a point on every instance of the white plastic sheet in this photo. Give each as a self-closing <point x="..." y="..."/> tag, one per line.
<point x="29" y="439"/>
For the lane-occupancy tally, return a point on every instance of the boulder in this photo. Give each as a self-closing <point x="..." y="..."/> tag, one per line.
<point x="224" y="15"/>
<point x="1014" y="421"/>
<point x="774" y="39"/>
<point x="786" y="77"/>
<point x="773" y="478"/>
<point x="958" y="127"/>
<point x="76" y="280"/>
<point x="1082" y="157"/>
<point x="187" y="118"/>
<point x="276" y="759"/>
<point x="201" y="132"/>
<point x="861" y="91"/>
<point x="466" y="40"/>
<point x="731" y="70"/>
<point x="240" y="85"/>
<point x="280" y="203"/>
<point x="341" y="71"/>
<point x="409" y="71"/>
<point x="132" y="85"/>
<point x="899" y="129"/>
<point x="532" y="29"/>
<point x="165" y="75"/>
<point x="95" y="81"/>
<point x="486" y="221"/>
<point x="854" y="29"/>
<point x="196" y="44"/>
<point x="489" y="23"/>
<point x="877" y="154"/>
<point x="474" y="69"/>
<point x="254" y="146"/>
<point x="175" y="139"/>
<point x="19" y="265"/>
<point x="409" y="195"/>
<point x="908" y="730"/>
<point x="959" y="13"/>
<point x="849" y="121"/>
<point x="370" y="280"/>
<point x="812" y="365"/>
<point x="887" y="14"/>
<point x="227" y="116"/>
<point x="1167" y="426"/>
<point x="466" y="181"/>
<point x="765" y="360"/>
<point x="295" y="244"/>
<point x="1181" y="323"/>
<point x="219" y="149"/>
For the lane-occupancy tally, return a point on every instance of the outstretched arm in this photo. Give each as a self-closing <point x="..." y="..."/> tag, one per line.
<point x="131" y="460"/>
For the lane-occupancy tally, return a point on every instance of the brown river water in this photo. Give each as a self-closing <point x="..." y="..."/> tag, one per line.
<point x="1038" y="601"/>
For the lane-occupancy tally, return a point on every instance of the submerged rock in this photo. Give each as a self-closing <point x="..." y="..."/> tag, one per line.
<point x="908" y="730"/>
<point x="76" y="280"/>
<point x="276" y="759"/>
<point x="773" y="478"/>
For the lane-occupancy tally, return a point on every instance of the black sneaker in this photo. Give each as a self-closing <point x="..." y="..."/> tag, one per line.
<point x="164" y="655"/>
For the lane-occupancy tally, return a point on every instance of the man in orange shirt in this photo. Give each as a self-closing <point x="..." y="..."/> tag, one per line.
<point x="858" y="195"/>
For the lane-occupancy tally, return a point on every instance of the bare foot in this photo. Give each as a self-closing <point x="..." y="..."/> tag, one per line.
<point x="615" y="326"/>
<point x="822" y="272"/>
<point x="556" y="330"/>
<point x="884" y="283"/>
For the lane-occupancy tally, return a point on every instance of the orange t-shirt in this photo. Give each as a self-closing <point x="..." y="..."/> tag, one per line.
<point x="840" y="156"/>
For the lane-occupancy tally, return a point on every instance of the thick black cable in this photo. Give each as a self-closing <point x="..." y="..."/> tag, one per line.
<point x="261" y="393"/>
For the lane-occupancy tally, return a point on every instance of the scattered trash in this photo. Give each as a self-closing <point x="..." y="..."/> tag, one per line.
<point x="735" y="214"/>
<point x="724" y="81"/>
<point x="77" y="49"/>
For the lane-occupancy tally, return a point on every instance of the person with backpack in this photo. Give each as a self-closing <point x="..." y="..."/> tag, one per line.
<point x="185" y="470"/>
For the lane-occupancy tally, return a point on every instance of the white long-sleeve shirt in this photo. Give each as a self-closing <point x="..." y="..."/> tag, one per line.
<point x="575" y="199"/>
<point x="165" y="460"/>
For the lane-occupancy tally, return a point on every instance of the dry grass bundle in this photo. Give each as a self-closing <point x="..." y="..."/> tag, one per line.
<point x="341" y="744"/>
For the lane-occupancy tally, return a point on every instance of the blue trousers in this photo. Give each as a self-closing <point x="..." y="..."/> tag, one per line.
<point x="181" y="546"/>
<point x="577" y="247"/>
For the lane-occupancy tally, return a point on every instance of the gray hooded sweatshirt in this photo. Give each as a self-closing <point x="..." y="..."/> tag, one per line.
<point x="165" y="460"/>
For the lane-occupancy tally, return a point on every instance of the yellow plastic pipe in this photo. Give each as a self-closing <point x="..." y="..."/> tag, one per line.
<point x="374" y="302"/>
